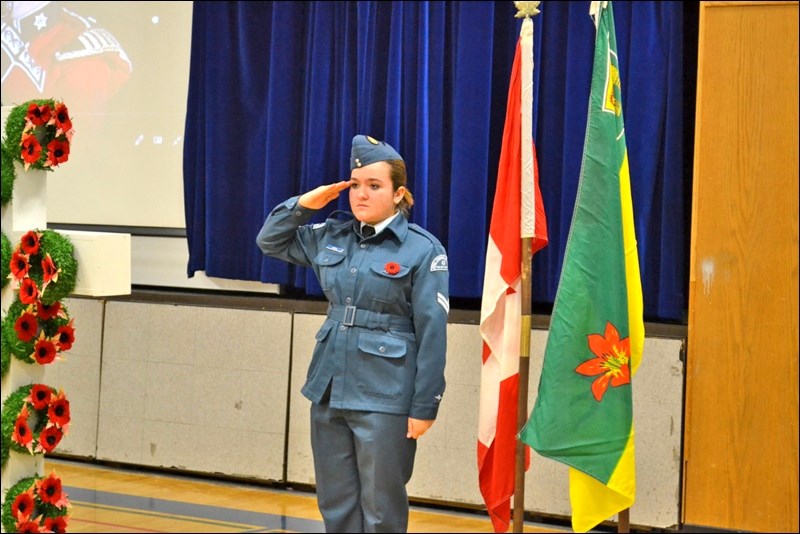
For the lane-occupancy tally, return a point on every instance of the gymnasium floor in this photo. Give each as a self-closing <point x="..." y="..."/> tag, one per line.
<point x="111" y="500"/>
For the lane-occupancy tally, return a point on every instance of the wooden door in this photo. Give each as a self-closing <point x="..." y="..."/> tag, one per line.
<point x="741" y="431"/>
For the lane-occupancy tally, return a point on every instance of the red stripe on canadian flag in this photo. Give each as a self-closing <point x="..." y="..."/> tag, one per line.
<point x="501" y="315"/>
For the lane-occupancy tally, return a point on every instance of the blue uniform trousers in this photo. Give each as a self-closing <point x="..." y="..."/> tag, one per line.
<point x="362" y="463"/>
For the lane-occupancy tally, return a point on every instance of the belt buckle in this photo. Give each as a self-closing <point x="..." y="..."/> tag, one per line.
<point x="349" y="315"/>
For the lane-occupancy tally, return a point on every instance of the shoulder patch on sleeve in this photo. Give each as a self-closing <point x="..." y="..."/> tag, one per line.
<point x="439" y="263"/>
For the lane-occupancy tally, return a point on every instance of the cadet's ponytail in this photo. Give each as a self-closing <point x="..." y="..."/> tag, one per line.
<point x="399" y="179"/>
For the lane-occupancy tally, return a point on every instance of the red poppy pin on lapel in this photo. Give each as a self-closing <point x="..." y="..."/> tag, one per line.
<point x="391" y="268"/>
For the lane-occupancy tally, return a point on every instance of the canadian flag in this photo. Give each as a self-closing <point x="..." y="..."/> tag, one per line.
<point x="501" y="306"/>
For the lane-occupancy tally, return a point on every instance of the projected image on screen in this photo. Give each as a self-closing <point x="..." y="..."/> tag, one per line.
<point x="122" y="69"/>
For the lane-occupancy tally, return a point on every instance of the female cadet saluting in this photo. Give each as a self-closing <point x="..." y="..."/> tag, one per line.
<point x="377" y="373"/>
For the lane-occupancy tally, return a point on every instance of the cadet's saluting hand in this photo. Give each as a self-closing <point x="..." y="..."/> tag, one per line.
<point x="320" y="197"/>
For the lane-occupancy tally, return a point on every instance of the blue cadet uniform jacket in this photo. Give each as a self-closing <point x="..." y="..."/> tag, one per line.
<point x="383" y="344"/>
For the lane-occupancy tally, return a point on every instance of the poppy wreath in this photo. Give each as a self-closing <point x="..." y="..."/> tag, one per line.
<point x="37" y="332"/>
<point x="34" y="419"/>
<point x="44" y="264"/>
<point x="36" y="504"/>
<point x="39" y="134"/>
<point x="6" y="259"/>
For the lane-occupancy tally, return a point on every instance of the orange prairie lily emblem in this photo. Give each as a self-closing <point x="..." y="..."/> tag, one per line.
<point x="612" y="355"/>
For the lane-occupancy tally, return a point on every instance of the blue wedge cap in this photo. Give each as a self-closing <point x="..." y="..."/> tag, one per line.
<point x="367" y="150"/>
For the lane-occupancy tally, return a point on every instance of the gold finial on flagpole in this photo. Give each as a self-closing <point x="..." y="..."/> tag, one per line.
<point x="526" y="9"/>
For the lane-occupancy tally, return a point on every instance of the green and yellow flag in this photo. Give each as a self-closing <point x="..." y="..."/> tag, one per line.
<point x="583" y="416"/>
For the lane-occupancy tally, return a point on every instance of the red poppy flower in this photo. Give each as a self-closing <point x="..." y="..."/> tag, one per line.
<point x="65" y="337"/>
<point x="29" y="243"/>
<point x="38" y="115"/>
<point x="45" y="312"/>
<point x="19" y="265"/>
<point x="56" y="524"/>
<point x="49" y="489"/>
<point x="391" y="268"/>
<point x="31" y="150"/>
<point x="49" y="438"/>
<point x="49" y="270"/>
<point x="57" y="152"/>
<point x="62" y="120"/>
<point x="611" y="361"/>
<point x="26" y="527"/>
<point x="40" y="396"/>
<point x="44" y="351"/>
<point x="59" y="411"/>
<point x="22" y="507"/>
<point x="22" y="432"/>
<point x="28" y="292"/>
<point x="26" y="327"/>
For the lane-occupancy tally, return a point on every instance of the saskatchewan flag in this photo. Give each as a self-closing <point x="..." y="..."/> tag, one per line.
<point x="583" y="416"/>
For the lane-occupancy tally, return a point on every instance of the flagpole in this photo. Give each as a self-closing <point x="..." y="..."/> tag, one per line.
<point x="524" y="365"/>
<point x="527" y="232"/>
<point x="624" y="520"/>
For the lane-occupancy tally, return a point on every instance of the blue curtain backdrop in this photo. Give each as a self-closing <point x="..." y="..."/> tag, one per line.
<point x="278" y="89"/>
